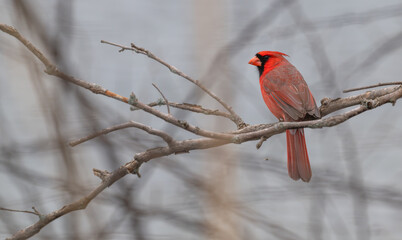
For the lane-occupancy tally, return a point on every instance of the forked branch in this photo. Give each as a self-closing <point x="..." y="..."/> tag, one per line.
<point x="233" y="115"/>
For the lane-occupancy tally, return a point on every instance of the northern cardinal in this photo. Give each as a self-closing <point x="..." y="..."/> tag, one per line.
<point x="287" y="96"/>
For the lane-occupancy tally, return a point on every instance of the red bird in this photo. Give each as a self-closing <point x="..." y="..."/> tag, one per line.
<point x="287" y="96"/>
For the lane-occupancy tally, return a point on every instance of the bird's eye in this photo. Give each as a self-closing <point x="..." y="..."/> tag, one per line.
<point x="265" y="58"/>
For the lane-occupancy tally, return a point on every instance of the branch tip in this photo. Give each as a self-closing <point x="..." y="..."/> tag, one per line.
<point x="262" y="140"/>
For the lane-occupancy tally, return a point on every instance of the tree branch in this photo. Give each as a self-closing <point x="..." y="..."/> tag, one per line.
<point x="77" y="205"/>
<point x="166" y="101"/>
<point x="331" y="105"/>
<point x="234" y="117"/>
<point x="372" y="86"/>
<point x="129" y="124"/>
<point x="97" y="89"/>
<point x="190" y="107"/>
<point x="20" y="211"/>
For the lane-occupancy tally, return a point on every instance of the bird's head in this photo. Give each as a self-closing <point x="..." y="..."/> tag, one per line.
<point x="267" y="60"/>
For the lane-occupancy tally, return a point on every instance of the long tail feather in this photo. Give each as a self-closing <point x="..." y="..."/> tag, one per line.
<point x="298" y="163"/>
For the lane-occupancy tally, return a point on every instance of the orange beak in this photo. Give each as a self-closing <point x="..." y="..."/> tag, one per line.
<point x="255" y="61"/>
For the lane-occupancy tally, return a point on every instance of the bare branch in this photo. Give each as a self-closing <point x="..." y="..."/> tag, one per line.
<point x="372" y="86"/>
<point x="190" y="107"/>
<point x="234" y="117"/>
<point x="331" y="105"/>
<point x="264" y="131"/>
<point x="77" y="205"/>
<point x="97" y="89"/>
<point x="166" y="101"/>
<point x="168" y="139"/>
<point x="20" y="211"/>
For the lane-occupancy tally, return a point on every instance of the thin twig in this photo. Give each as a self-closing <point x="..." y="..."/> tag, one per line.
<point x="20" y="211"/>
<point x="180" y="123"/>
<point x="372" y="86"/>
<point x="37" y="212"/>
<point x="118" y="45"/>
<point x="234" y="117"/>
<point x="166" y="101"/>
<point x="168" y="139"/>
<point x="190" y="107"/>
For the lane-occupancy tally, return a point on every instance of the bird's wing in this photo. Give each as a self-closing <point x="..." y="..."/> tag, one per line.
<point x="289" y="90"/>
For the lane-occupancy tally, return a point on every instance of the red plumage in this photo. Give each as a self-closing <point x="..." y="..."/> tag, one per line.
<point x="288" y="97"/>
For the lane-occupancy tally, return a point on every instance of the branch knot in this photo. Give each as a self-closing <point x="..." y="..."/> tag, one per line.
<point x="133" y="100"/>
<point x="103" y="175"/>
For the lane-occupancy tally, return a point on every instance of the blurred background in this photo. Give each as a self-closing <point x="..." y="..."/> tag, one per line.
<point x="231" y="192"/>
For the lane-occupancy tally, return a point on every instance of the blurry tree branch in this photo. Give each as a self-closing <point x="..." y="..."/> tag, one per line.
<point x="189" y="107"/>
<point x="168" y="139"/>
<point x="207" y="139"/>
<point x="164" y="98"/>
<point x="372" y="86"/>
<point x="35" y="212"/>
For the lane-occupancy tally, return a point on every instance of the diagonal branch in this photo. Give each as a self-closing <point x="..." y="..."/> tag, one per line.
<point x="190" y="107"/>
<point x="234" y="117"/>
<point x="168" y="139"/>
<point x="77" y="205"/>
<point x="166" y="101"/>
<point x="20" y="211"/>
<point x="97" y="89"/>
